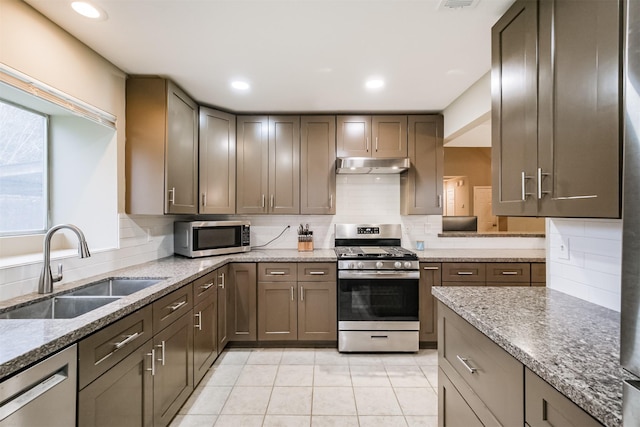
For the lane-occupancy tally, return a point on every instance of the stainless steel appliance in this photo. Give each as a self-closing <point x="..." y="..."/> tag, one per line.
<point x="630" y="309"/>
<point x="206" y="238"/>
<point x="378" y="283"/>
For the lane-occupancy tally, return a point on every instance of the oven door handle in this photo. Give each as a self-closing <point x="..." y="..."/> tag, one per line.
<point x="384" y="274"/>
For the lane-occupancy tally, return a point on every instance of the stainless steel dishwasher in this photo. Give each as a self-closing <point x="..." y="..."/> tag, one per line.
<point x="43" y="395"/>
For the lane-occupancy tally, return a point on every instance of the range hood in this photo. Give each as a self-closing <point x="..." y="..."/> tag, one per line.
<point x="364" y="165"/>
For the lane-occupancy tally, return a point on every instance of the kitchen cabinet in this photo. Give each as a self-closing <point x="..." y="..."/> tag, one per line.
<point x="508" y="274"/>
<point x="205" y="318"/>
<point x="317" y="302"/>
<point x="555" y="109"/>
<point x="493" y="274"/>
<point x="538" y="274"/>
<point x="242" y="286"/>
<point x="268" y="164"/>
<point x="317" y="165"/>
<point x="372" y="136"/>
<point x="421" y="186"/>
<point x="217" y="147"/>
<point x="161" y="153"/>
<point x="430" y="275"/>
<point x="277" y="305"/>
<point x="223" y="310"/>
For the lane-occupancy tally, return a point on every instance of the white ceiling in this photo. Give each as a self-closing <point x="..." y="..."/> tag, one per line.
<point x="298" y="55"/>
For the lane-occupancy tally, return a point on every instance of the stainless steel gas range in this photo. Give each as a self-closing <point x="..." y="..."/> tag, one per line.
<point x="378" y="284"/>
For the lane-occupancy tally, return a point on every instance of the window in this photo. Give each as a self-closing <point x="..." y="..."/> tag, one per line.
<point x="23" y="170"/>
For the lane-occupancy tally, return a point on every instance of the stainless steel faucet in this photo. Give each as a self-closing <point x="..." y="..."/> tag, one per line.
<point x="45" y="285"/>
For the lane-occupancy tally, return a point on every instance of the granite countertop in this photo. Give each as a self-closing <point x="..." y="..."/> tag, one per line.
<point x="572" y="344"/>
<point x="482" y="255"/>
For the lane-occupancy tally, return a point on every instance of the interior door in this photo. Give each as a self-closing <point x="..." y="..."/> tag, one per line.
<point x="482" y="209"/>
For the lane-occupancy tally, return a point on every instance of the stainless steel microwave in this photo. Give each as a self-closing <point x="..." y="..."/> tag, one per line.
<point x="206" y="238"/>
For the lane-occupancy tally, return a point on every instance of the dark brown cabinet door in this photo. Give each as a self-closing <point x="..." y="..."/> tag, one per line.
<point x="223" y="307"/>
<point x="252" y="150"/>
<point x="317" y="311"/>
<point x="318" y="165"/>
<point x="205" y="331"/>
<point x="284" y="164"/>
<point x="430" y="275"/>
<point x="421" y="185"/>
<point x="579" y="144"/>
<point x="277" y="311"/>
<point x="173" y="379"/>
<point x="514" y="116"/>
<point x="389" y="136"/>
<point x="453" y="410"/>
<point x="121" y="397"/>
<point x="242" y="302"/>
<point x="354" y="136"/>
<point x="217" y="162"/>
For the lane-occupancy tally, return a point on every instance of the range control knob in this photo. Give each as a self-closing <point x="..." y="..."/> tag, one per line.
<point x="407" y="264"/>
<point x="397" y="264"/>
<point x="351" y="265"/>
<point x="361" y="265"/>
<point x="379" y="264"/>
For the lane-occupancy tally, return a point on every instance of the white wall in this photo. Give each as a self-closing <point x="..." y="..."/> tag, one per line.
<point x="584" y="259"/>
<point x="469" y="109"/>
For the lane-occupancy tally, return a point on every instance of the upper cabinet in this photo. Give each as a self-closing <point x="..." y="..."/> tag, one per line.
<point x="268" y="164"/>
<point x="217" y="162"/>
<point x="421" y="185"/>
<point x="161" y="148"/>
<point x="372" y="136"/>
<point x="556" y="98"/>
<point x="317" y="165"/>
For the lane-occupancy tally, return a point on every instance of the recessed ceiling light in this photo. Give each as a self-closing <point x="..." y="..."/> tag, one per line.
<point x="374" y="84"/>
<point x="240" y="85"/>
<point x="88" y="10"/>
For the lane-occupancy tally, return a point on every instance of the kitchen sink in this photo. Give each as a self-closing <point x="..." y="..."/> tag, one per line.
<point x="114" y="287"/>
<point x="62" y="307"/>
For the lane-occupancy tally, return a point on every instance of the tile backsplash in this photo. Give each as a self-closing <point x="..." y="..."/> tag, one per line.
<point x="584" y="259"/>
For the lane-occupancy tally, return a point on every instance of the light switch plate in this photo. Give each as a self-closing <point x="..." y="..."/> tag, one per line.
<point x="564" y="248"/>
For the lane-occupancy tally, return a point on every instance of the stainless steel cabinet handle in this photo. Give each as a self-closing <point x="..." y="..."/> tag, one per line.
<point x="301" y="293"/>
<point x="161" y="347"/>
<point x="366" y="144"/>
<point x="384" y="337"/>
<point x="439" y="200"/>
<point x="376" y="144"/>
<point x="153" y="361"/>
<point x="277" y="273"/>
<point x="330" y="201"/>
<point x="221" y="284"/>
<point x="176" y="306"/>
<point x="465" y="363"/>
<point x="509" y="273"/>
<point x="263" y="200"/>
<point x="430" y="268"/>
<point x="524" y="178"/>
<point x="292" y="296"/>
<point x="172" y="197"/>
<point x="23" y="399"/>
<point x="272" y="201"/>
<point x="198" y="316"/>
<point x="126" y="341"/>
<point x="206" y="286"/>
<point x="316" y="273"/>
<point x="204" y="199"/>
<point x="465" y="273"/>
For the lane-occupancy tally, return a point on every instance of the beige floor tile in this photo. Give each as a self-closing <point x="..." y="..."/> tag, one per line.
<point x="206" y="401"/>
<point x="417" y="401"/>
<point x="431" y="372"/>
<point x="290" y="401"/>
<point x="376" y="401"/>
<point x="333" y="401"/>
<point x="287" y="421"/>
<point x="294" y="375"/>
<point x="365" y="359"/>
<point x="369" y="376"/>
<point x="239" y="421"/>
<point x="382" y="421"/>
<point x="194" y="421"/>
<point x="298" y="356"/>
<point x="407" y="376"/>
<point x="247" y="401"/>
<point x="257" y="375"/>
<point x="398" y="359"/>
<point x="222" y="375"/>
<point x="426" y="357"/>
<point x="422" y="421"/>
<point x="334" y="421"/>
<point x="330" y="356"/>
<point x="265" y="356"/>
<point x="233" y="357"/>
<point x="331" y="376"/>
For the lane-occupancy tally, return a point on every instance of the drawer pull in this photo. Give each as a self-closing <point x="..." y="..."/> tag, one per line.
<point x="153" y="361"/>
<point x="292" y="296"/>
<point x="277" y="273"/>
<point x="430" y="268"/>
<point x="465" y="363"/>
<point x="198" y="316"/>
<point x="206" y="286"/>
<point x="384" y="337"/>
<point x="161" y="346"/>
<point x="465" y="273"/>
<point x="222" y="281"/>
<point x="126" y="341"/>
<point x="509" y="273"/>
<point x="316" y="273"/>
<point x="176" y="306"/>
<point x="302" y="293"/>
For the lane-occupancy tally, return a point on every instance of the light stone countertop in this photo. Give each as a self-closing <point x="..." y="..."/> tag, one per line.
<point x="572" y="344"/>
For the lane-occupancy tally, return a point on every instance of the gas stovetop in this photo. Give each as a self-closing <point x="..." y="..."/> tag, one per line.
<point x="374" y="253"/>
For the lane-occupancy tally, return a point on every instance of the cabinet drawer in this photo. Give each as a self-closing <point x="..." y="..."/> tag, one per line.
<point x="545" y="406"/>
<point x="474" y="362"/>
<point x="316" y="272"/>
<point x="103" y="349"/>
<point x="463" y="272"/>
<point x="538" y="273"/>
<point x="204" y="287"/>
<point x="513" y="272"/>
<point x="170" y="307"/>
<point x="277" y="272"/>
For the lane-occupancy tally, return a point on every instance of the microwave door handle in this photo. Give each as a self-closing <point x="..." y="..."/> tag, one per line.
<point x="187" y="235"/>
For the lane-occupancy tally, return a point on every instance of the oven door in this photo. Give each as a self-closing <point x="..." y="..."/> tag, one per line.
<point x="371" y="296"/>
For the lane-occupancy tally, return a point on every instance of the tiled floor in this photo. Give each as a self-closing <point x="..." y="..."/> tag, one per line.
<point x="315" y="387"/>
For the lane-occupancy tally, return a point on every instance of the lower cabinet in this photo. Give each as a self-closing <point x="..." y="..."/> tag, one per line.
<point x="430" y="275"/>
<point x="205" y="336"/>
<point x="452" y="409"/>
<point x="241" y="285"/>
<point x="223" y="307"/>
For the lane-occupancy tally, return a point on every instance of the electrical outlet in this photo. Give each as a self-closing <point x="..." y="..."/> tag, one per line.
<point x="564" y="248"/>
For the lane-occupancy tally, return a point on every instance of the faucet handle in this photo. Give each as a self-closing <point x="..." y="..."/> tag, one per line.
<point x="57" y="277"/>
